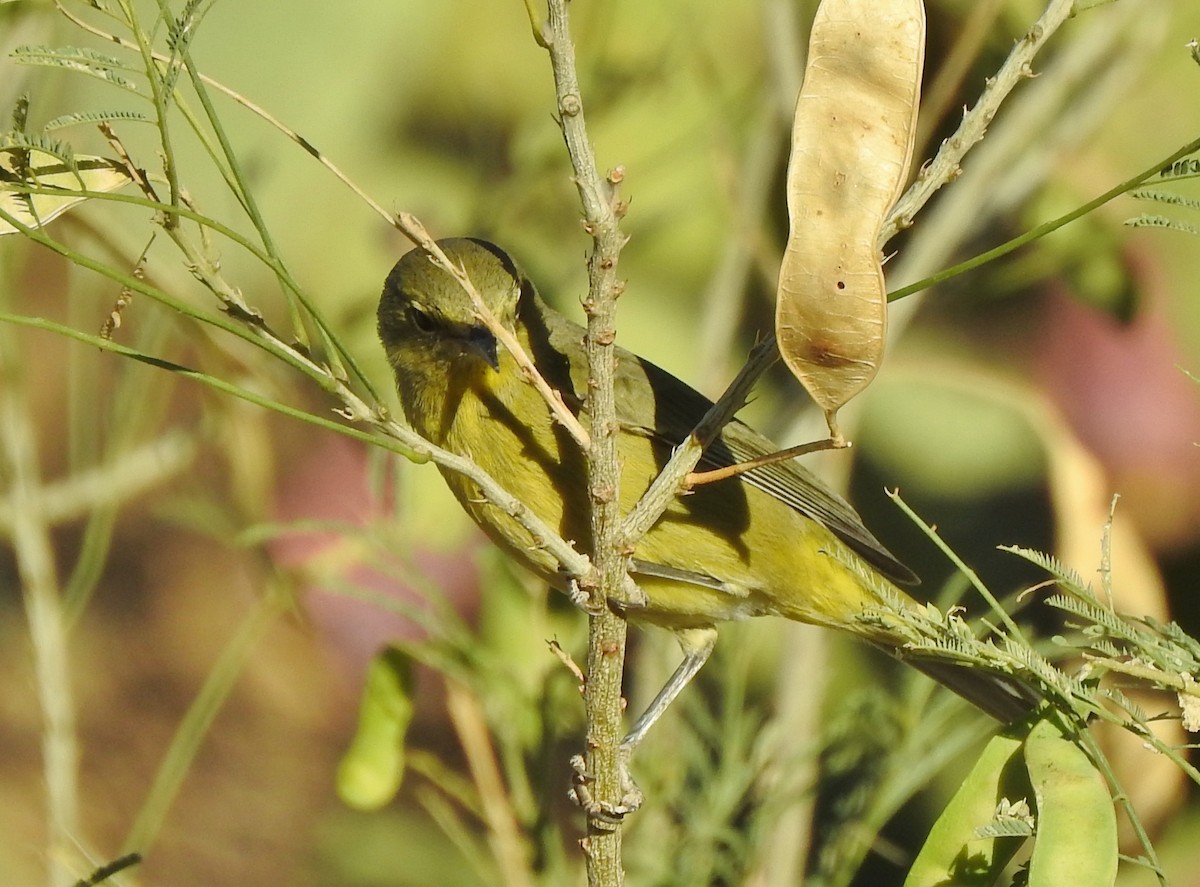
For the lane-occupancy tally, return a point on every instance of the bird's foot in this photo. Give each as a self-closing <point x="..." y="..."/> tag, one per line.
<point x="631" y="795"/>
<point x="581" y="599"/>
<point x="577" y="596"/>
<point x="634" y="597"/>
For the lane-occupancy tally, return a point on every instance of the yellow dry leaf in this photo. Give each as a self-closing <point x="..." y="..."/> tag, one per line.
<point x="852" y="142"/>
<point x="1081" y="495"/>
<point x="22" y="168"/>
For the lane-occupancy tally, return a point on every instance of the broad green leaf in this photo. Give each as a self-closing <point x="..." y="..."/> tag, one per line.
<point x="1076" y="840"/>
<point x="370" y="772"/>
<point x="955" y="853"/>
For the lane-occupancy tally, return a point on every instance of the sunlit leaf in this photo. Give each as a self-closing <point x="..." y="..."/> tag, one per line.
<point x="852" y="141"/>
<point x="955" y="852"/>
<point x="93" y="117"/>
<point x="24" y="168"/>
<point x="79" y="59"/>
<point x="1076" y="840"/>
<point x="1148" y="220"/>
<point x="1187" y="168"/>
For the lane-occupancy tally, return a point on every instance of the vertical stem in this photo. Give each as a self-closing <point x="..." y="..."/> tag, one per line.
<point x="607" y="630"/>
<point x="44" y="612"/>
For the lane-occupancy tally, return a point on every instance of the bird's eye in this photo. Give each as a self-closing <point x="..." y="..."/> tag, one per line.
<point x="422" y="321"/>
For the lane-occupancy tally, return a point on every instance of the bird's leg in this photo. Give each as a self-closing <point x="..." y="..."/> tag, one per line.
<point x="635" y="598"/>
<point x="697" y="644"/>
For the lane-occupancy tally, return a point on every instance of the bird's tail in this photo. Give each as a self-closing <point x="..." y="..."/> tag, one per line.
<point x="894" y="621"/>
<point x="1004" y="697"/>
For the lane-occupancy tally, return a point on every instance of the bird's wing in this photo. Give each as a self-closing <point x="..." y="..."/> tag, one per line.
<point x="691" y="577"/>
<point x="656" y="404"/>
<point x="680" y="408"/>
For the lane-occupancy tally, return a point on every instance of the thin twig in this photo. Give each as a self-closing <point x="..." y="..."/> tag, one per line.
<point x="698" y="478"/>
<point x="953" y="68"/>
<point x="124" y="477"/>
<point x="391" y="436"/>
<point x="673" y="479"/>
<point x="1013" y="629"/>
<point x="1047" y="120"/>
<point x="1047" y="227"/>
<point x="946" y="166"/>
<point x="504" y="835"/>
<point x="570" y="664"/>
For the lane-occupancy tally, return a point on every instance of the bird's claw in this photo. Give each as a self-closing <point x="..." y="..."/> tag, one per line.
<point x="579" y="598"/>
<point x="580" y="793"/>
<point x="634" y="597"/>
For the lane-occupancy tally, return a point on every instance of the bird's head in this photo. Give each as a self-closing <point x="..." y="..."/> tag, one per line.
<point x="427" y="318"/>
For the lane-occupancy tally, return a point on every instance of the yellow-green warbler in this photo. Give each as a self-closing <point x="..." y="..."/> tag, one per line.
<point x="771" y="541"/>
